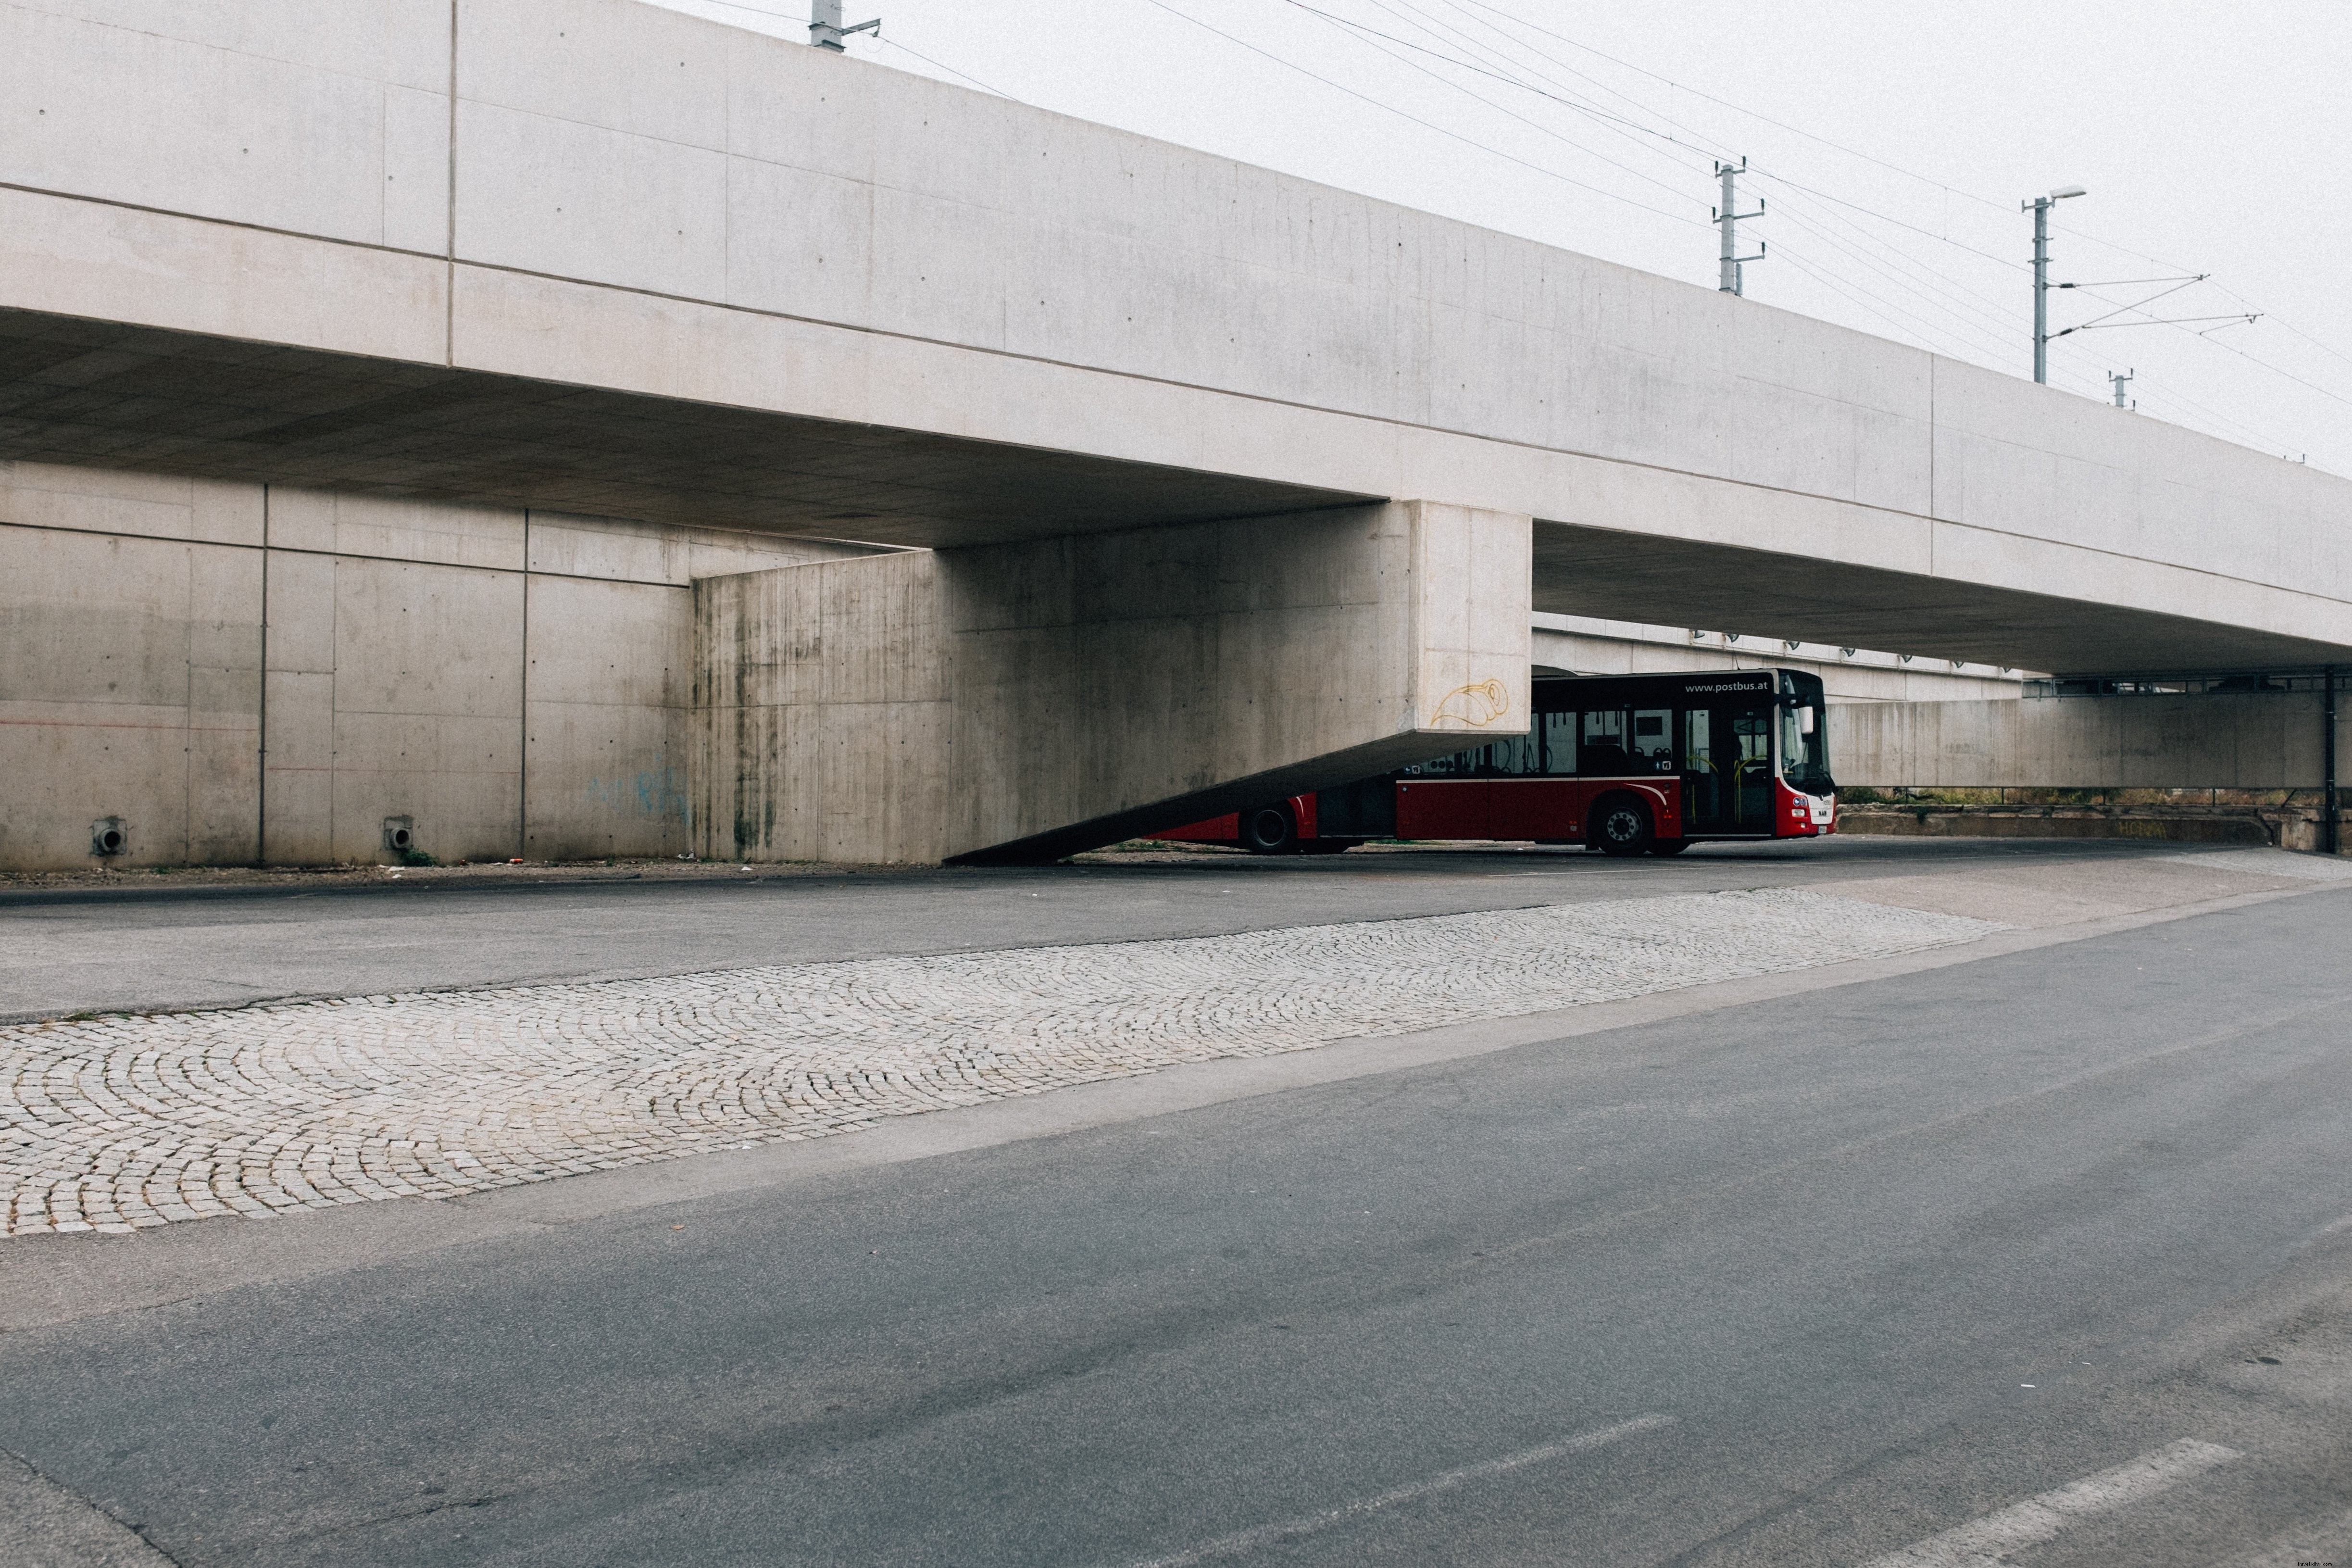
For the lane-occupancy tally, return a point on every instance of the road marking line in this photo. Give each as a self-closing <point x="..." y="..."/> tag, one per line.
<point x="1982" y="1543"/>
<point x="1243" y="1541"/>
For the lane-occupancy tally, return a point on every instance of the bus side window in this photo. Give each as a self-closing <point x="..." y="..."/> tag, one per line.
<point x="1514" y="757"/>
<point x="1558" y="733"/>
<point x="1602" y="750"/>
<point x="1654" y="739"/>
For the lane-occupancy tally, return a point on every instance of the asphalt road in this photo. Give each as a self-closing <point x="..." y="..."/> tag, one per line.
<point x="163" y="947"/>
<point x="1801" y="1282"/>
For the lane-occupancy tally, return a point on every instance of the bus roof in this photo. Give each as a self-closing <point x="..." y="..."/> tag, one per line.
<point x="1556" y="692"/>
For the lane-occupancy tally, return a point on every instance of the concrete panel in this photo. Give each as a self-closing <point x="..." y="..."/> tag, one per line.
<point x="224" y="706"/>
<point x="611" y="64"/>
<point x="613" y="549"/>
<point x="2155" y="741"/>
<point x="402" y="41"/>
<point x="619" y="549"/>
<point x="555" y="195"/>
<point x="298" y="778"/>
<point x="606" y="779"/>
<point x="458" y="777"/>
<point x="224" y="512"/>
<point x="130" y="690"/>
<point x="610" y="682"/>
<point x="2018" y="458"/>
<point x="784" y="106"/>
<point x="713" y="552"/>
<point x="220" y="131"/>
<point x="416" y="170"/>
<point x="800" y="242"/>
<point x="301" y="613"/>
<point x="343" y="523"/>
<point x="153" y="505"/>
<point x="822" y="731"/>
<point x="1471" y="576"/>
<point x="70" y="764"/>
<point x="95" y="618"/>
<point x="96" y="262"/>
<point x="427" y="707"/>
<point x="430" y="641"/>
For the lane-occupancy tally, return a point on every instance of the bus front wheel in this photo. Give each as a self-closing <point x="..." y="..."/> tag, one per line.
<point x="1268" y="830"/>
<point x="1621" y="827"/>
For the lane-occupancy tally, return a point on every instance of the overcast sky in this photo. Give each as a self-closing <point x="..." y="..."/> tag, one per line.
<point x="1892" y="143"/>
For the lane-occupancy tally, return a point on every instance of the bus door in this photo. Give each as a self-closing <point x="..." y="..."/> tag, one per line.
<point x="1728" y="769"/>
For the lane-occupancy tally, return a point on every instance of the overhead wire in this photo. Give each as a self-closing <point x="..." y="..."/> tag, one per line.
<point x="961" y="75"/>
<point x="1412" y="13"/>
<point x="1372" y="41"/>
<point x="1737" y="109"/>
<point x="1426" y="125"/>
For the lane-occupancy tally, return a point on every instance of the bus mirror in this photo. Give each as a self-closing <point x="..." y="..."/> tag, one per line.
<point x="1804" y="720"/>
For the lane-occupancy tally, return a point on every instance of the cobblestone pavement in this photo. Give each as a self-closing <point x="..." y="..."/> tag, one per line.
<point x="120" y="1122"/>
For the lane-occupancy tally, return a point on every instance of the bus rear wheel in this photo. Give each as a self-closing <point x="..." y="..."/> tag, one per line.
<point x="1268" y="830"/>
<point x="1621" y="827"/>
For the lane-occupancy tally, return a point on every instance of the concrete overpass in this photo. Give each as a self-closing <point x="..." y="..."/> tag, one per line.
<point x="1226" y="481"/>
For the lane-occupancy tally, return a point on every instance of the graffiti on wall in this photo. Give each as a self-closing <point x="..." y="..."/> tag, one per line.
<point x="1472" y="707"/>
<point x="659" y="793"/>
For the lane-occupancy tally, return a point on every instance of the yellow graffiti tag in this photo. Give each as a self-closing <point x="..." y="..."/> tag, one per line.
<point x="1473" y="707"/>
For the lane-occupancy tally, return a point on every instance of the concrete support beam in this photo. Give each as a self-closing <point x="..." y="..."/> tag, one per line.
<point x="1030" y="700"/>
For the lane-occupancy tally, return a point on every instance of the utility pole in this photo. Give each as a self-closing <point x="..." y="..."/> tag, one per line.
<point x="1732" y="278"/>
<point x="2331" y="811"/>
<point x="2039" y="207"/>
<point x="825" y="30"/>
<point x="2121" y="380"/>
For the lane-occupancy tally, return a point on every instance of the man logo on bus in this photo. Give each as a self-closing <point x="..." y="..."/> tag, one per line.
<point x="1475" y="707"/>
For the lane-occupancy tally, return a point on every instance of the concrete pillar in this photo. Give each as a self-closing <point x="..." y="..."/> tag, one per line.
<point x="1029" y="699"/>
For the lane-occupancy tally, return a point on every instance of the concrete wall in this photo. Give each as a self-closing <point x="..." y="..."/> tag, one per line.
<point x="1050" y="694"/>
<point x="2233" y="740"/>
<point x="658" y="204"/>
<point x="245" y="673"/>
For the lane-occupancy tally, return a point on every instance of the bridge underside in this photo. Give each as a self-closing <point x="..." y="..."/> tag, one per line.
<point x="1628" y="575"/>
<point x="78" y="392"/>
<point x="86" y="392"/>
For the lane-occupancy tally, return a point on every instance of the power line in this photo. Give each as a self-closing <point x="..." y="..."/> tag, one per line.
<point x="1736" y="109"/>
<point x="1605" y="120"/>
<point x="960" y="75"/>
<point x="1349" y="29"/>
<point x="1424" y="124"/>
<point x="1561" y="99"/>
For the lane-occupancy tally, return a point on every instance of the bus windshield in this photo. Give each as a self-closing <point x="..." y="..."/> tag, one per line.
<point x="1805" y="757"/>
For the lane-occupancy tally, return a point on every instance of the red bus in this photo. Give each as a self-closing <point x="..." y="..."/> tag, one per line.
<point x="1624" y="764"/>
